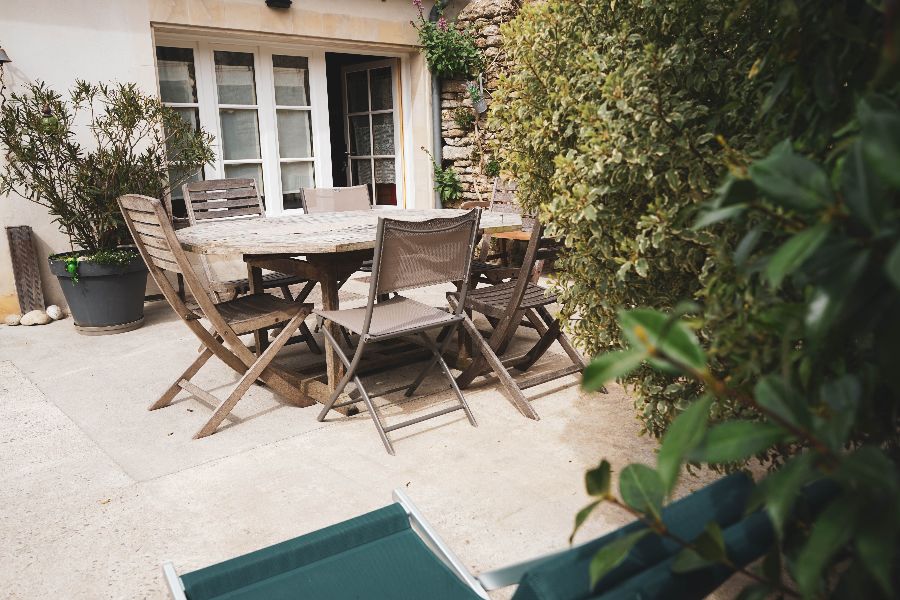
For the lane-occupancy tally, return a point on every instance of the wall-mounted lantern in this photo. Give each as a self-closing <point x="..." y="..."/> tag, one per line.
<point x="278" y="3"/>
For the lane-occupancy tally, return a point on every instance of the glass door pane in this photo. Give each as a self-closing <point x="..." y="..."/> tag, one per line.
<point x="238" y="115"/>
<point x="370" y="128"/>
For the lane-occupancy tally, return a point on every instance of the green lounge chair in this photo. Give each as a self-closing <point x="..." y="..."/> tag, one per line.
<point x="394" y="554"/>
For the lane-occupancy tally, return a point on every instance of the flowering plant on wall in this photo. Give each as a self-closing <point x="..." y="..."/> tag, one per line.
<point x="449" y="51"/>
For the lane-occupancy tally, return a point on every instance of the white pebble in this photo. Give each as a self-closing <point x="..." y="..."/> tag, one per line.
<point x="55" y="312"/>
<point x="13" y="320"/>
<point x="35" y="317"/>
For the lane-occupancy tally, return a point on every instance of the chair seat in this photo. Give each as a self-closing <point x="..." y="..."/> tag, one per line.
<point x="493" y="300"/>
<point x="257" y="311"/>
<point x="376" y="556"/>
<point x="270" y="280"/>
<point x="392" y="317"/>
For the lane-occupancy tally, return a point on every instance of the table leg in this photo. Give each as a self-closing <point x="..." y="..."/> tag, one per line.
<point x="260" y="336"/>
<point x="333" y="368"/>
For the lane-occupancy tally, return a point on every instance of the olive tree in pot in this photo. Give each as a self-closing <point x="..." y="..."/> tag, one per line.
<point x="137" y="145"/>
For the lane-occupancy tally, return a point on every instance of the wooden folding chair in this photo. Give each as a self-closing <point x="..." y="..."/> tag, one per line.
<point x="218" y="199"/>
<point x="407" y="255"/>
<point x="506" y="305"/>
<point x="155" y="239"/>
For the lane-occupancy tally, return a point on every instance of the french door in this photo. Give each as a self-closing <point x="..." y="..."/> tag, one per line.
<point x="371" y="129"/>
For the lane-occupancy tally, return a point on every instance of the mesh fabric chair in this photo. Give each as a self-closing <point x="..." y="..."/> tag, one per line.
<point x="155" y="238"/>
<point x="318" y="200"/>
<point x="407" y="255"/>
<point x="393" y="553"/>
<point x="505" y="305"/>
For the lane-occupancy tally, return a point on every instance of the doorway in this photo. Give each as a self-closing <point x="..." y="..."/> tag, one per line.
<point x="363" y="107"/>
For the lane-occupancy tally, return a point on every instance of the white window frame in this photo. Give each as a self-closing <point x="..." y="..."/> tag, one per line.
<point x="207" y="97"/>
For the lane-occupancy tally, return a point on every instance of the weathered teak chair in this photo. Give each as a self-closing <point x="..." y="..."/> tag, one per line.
<point x="155" y="238"/>
<point x="506" y="305"/>
<point x="317" y="200"/>
<point x="218" y="199"/>
<point x="393" y="553"/>
<point x="407" y="255"/>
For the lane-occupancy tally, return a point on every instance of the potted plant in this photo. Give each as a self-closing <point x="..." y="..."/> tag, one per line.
<point x="137" y="145"/>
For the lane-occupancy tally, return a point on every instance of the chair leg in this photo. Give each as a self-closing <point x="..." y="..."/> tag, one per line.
<point x="286" y="292"/>
<point x="348" y="365"/>
<point x="250" y="376"/>
<point x="550" y="335"/>
<point x="309" y="339"/>
<point x="442" y="340"/>
<point x="376" y="418"/>
<point x="189" y="373"/>
<point x="438" y="350"/>
<point x="486" y="358"/>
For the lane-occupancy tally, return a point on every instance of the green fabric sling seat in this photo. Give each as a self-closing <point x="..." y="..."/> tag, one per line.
<point x="394" y="554"/>
<point x="376" y="556"/>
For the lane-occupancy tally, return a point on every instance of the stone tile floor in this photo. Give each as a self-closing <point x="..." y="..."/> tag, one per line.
<point x="96" y="491"/>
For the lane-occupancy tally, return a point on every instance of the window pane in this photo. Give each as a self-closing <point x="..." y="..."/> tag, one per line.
<point x="175" y="67"/>
<point x="246" y="172"/>
<point x="177" y="178"/>
<point x="385" y="182"/>
<point x="383" y="130"/>
<point x="382" y="89"/>
<point x="291" y="80"/>
<point x="240" y="134"/>
<point x="357" y="92"/>
<point x="360" y="136"/>
<point x="293" y="177"/>
<point x="361" y="171"/>
<point x="234" y="77"/>
<point x="294" y="134"/>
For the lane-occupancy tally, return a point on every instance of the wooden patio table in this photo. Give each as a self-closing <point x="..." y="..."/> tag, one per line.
<point x="323" y="247"/>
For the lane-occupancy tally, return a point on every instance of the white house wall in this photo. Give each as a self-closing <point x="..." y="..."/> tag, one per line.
<point x="58" y="41"/>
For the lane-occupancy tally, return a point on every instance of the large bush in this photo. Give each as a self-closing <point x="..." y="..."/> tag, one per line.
<point x="620" y="118"/>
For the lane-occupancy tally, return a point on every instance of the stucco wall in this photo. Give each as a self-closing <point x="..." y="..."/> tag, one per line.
<point x="60" y="41"/>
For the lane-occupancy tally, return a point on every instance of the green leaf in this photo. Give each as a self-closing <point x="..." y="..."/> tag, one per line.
<point x="794" y="252"/>
<point x="831" y="530"/>
<point x="642" y="489"/>
<point x="708" y="549"/>
<point x="597" y="480"/>
<point x="611" y="555"/>
<point x="776" y="90"/>
<point x="776" y="395"/>
<point x="734" y="190"/>
<point x="654" y="330"/>
<point x="876" y="545"/>
<point x="791" y="180"/>
<point x="863" y="190"/>
<point x="746" y="246"/>
<point x="709" y="217"/>
<point x="610" y="366"/>
<point x="756" y="591"/>
<point x="582" y="516"/>
<point x="881" y="144"/>
<point x="780" y="490"/>
<point x="685" y="432"/>
<point x="869" y="468"/>
<point x="737" y="440"/>
<point x="841" y="396"/>
<point x="892" y="266"/>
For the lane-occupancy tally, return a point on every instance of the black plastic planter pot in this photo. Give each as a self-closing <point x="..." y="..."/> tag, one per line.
<point x="106" y="298"/>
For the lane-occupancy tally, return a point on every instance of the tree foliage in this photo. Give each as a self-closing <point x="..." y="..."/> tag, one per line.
<point x="449" y="51"/>
<point x="620" y="118"/>
<point x="138" y="146"/>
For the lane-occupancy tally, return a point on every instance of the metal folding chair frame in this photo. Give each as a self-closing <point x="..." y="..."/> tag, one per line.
<point x="480" y="584"/>
<point x="365" y="337"/>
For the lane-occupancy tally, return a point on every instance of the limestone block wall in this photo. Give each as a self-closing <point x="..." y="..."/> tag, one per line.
<point x="468" y="150"/>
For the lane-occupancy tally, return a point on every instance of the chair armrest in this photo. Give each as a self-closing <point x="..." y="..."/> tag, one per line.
<point x="437" y="545"/>
<point x="173" y="581"/>
<point x="470" y="204"/>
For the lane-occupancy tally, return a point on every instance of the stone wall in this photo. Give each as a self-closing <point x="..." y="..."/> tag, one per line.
<point x="467" y="150"/>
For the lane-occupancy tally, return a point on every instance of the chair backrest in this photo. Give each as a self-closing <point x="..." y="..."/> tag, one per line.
<point x="222" y="199"/>
<point x="411" y="254"/>
<point x="155" y="239"/>
<point x="317" y="200"/>
<point x="218" y="199"/>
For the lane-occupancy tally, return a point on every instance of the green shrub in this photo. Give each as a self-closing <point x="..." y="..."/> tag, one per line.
<point x="463" y="117"/>
<point x="620" y="118"/>
<point x="446" y="182"/>
<point x="833" y="394"/>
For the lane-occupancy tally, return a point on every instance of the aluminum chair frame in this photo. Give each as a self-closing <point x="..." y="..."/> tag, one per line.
<point x="376" y="293"/>
<point x="480" y="584"/>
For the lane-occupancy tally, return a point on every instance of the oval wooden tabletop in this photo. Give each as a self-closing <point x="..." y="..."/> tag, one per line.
<point x="316" y="233"/>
